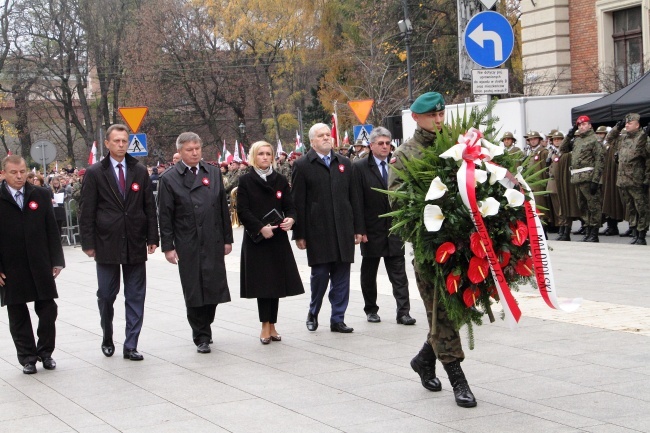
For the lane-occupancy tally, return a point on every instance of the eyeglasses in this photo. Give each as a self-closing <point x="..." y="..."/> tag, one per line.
<point x="382" y="143"/>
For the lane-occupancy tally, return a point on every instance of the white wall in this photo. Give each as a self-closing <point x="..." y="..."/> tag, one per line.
<point x="519" y="115"/>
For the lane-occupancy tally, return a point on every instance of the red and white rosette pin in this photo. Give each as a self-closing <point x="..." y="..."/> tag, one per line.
<point x="33" y="205"/>
<point x="536" y="158"/>
<point x="556" y="159"/>
<point x="135" y="187"/>
<point x="341" y="168"/>
<point x="206" y="181"/>
<point x="278" y="195"/>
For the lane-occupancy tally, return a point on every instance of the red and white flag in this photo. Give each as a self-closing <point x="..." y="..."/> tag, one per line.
<point x="346" y="140"/>
<point x="279" y="149"/>
<point x="335" y="132"/>
<point x="242" y="152"/>
<point x="92" y="157"/>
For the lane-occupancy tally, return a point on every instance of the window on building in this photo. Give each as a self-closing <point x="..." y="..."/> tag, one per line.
<point x="628" y="46"/>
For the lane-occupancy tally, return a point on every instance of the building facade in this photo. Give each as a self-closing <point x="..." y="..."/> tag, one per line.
<point x="583" y="46"/>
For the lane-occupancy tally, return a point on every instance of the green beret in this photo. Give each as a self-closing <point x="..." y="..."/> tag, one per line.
<point x="632" y="116"/>
<point x="427" y="103"/>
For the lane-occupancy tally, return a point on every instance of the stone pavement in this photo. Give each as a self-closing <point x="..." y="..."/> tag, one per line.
<point x="580" y="372"/>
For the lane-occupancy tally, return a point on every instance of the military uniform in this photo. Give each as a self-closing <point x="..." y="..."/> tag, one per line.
<point x="613" y="207"/>
<point x="538" y="159"/>
<point x="633" y="175"/>
<point x="586" y="169"/>
<point x="233" y="179"/>
<point x="285" y="170"/>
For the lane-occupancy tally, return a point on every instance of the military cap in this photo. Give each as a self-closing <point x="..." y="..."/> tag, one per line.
<point x="602" y="129"/>
<point x="427" y="103"/>
<point x="82" y="172"/>
<point x="509" y="135"/>
<point x="583" y="119"/>
<point x="550" y="134"/>
<point x="557" y="134"/>
<point x="532" y="134"/>
<point x="633" y="116"/>
<point x="360" y="142"/>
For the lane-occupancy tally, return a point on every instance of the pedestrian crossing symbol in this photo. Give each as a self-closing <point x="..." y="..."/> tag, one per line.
<point x="138" y="145"/>
<point x="362" y="132"/>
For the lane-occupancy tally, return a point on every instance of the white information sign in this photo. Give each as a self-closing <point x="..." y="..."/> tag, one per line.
<point x="490" y="81"/>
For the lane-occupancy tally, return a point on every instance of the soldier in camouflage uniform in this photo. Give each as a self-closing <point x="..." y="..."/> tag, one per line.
<point x="234" y="172"/>
<point x="443" y="340"/>
<point x="283" y="166"/>
<point x="633" y="173"/>
<point x="587" y="160"/>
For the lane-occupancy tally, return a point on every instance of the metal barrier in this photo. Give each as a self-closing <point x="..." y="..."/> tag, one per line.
<point x="71" y="229"/>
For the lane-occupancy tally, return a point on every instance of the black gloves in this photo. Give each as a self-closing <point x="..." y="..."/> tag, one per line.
<point x="571" y="133"/>
<point x="620" y="125"/>
<point x="593" y="188"/>
<point x="616" y="157"/>
<point x="647" y="130"/>
<point x="646" y="188"/>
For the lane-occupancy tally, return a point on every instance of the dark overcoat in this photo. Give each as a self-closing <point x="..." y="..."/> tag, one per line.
<point x="30" y="246"/>
<point x="268" y="268"/>
<point x="326" y="206"/>
<point x="612" y="203"/>
<point x="118" y="228"/>
<point x="566" y="191"/>
<point x="367" y="175"/>
<point x="194" y="221"/>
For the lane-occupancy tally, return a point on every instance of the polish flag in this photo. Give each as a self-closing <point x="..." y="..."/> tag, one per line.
<point x="92" y="157"/>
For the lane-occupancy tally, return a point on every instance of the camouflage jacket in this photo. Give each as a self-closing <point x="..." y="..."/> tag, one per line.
<point x="285" y="170"/>
<point x="233" y="180"/>
<point x="633" y="157"/>
<point x="586" y="152"/>
<point x="412" y="148"/>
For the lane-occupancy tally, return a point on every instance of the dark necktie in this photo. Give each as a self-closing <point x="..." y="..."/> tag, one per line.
<point x="327" y="160"/>
<point x="193" y="170"/>
<point x="121" y="179"/>
<point x="19" y="199"/>
<point x="384" y="173"/>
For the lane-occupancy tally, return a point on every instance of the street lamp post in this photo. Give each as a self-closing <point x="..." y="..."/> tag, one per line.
<point x="242" y="130"/>
<point x="406" y="28"/>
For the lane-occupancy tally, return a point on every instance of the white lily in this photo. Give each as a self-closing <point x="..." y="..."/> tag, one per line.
<point x="480" y="176"/>
<point x="436" y="190"/>
<point x="489" y="206"/>
<point x="514" y="197"/>
<point x="455" y="152"/>
<point x="433" y="217"/>
<point x="496" y="172"/>
<point x="492" y="149"/>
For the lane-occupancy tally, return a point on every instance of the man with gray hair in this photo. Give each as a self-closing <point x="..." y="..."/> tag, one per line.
<point x="196" y="234"/>
<point x="326" y="225"/>
<point x="371" y="173"/>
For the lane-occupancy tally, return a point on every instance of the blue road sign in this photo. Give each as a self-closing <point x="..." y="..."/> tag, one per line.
<point x="489" y="39"/>
<point x="362" y="132"/>
<point x="138" y="145"/>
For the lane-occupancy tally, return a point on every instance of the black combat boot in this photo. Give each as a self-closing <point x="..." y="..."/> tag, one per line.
<point x="424" y="364"/>
<point x="587" y="233"/>
<point x="628" y="233"/>
<point x="641" y="239"/>
<point x="635" y="236"/>
<point x="612" y="228"/>
<point x="560" y="233"/>
<point x="462" y="393"/>
<point x="582" y="230"/>
<point x="567" y="234"/>
<point x="593" y="235"/>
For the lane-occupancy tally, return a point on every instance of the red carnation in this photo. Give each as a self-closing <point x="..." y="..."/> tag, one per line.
<point x="478" y="270"/>
<point x="444" y="252"/>
<point x="477" y="246"/>
<point x="453" y="282"/>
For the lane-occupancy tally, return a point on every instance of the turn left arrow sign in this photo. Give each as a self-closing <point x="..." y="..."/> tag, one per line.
<point x="480" y="36"/>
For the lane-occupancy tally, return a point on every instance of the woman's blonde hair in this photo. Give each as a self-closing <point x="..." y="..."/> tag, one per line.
<point x="255" y="149"/>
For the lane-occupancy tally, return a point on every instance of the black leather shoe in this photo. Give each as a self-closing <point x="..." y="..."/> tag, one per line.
<point x="341" y="327"/>
<point x="48" y="363"/>
<point x="373" y="318"/>
<point x="29" y="368"/>
<point x="312" y="322"/>
<point x="427" y="372"/>
<point x="203" y="348"/>
<point x="108" y="349"/>
<point x="132" y="354"/>
<point x="406" y="320"/>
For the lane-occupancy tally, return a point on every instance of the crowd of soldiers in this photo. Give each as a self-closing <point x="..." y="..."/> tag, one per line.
<point x="596" y="177"/>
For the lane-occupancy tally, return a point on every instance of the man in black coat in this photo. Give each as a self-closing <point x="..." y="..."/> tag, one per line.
<point x="31" y="258"/>
<point x="196" y="234"/>
<point x="327" y="224"/>
<point x="369" y="173"/>
<point x="118" y="228"/>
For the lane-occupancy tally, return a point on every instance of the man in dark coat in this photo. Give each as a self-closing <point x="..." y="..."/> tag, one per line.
<point x="118" y="228"/>
<point x="196" y="234"/>
<point x="327" y="224"/>
<point x="369" y="173"/>
<point x="31" y="258"/>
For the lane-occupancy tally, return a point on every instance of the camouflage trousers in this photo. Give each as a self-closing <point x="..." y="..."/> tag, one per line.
<point x="445" y="339"/>
<point x="636" y="206"/>
<point x="590" y="204"/>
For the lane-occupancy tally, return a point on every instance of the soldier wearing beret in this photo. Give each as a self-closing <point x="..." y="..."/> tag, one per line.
<point x="633" y="173"/>
<point x="428" y="111"/>
<point x="586" y="169"/>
